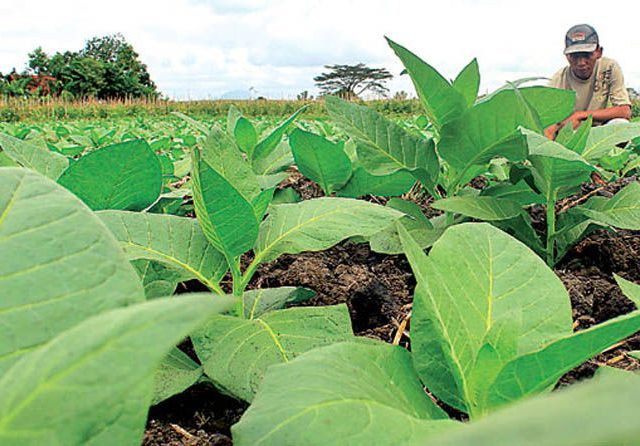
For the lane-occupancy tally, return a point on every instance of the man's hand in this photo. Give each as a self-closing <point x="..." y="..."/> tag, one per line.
<point x="551" y="131"/>
<point x="575" y="119"/>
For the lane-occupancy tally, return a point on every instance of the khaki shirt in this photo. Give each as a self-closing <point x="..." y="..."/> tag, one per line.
<point x="605" y="88"/>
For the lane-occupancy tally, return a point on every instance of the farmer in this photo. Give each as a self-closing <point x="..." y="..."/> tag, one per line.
<point x="597" y="81"/>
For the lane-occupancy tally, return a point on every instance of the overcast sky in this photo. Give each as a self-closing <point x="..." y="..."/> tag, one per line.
<point x="207" y="48"/>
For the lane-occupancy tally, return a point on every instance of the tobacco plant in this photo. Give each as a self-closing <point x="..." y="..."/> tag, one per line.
<point x="488" y="329"/>
<point x="235" y="218"/>
<point x="79" y="346"/>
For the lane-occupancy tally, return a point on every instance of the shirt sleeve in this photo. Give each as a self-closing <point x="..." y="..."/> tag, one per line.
<point x="618" y="94"/>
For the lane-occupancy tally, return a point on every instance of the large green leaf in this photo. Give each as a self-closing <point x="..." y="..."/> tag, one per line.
<point x="260" y="301"/>
<point x="236" y="352"/>
<point x="383" y="146"/>
<point x="604" y="138"/>
<point x="320" y="160"/>
<point x="482" y="208"/>
<point x="59" y="264"/>
<point x="442" y="102"/>
<point x="539" y="370"/>
<point x="177" y="242"/>
<point x="267" y="145"/>
<point x="345" y="394"/>
<point x="91" y="384"/>
<point x="488" y="129"/>
<point x="555" y="169"/>
<point x="551" y="105"/>
<point x="127" y="175"/>
<point x="467" y="83"/>
<point x="314" y="225"/>
<point x="575" y="140"/>
<point x="602" y="413"/>
<point x="423" y="231"/>
<point x="227" y="219"/>
<point x="520" y="192"/>
<point x="245" y="135"/>
<point x="157" y="279"/>
<point x="223" y="155"/>
<point x="176" y="373"/>
<point x="27" y="154"/>
<point x="363" y="183"/>
<point x="620" y="211"/>
<point x="278" y="160"/>
<point x="474" y="312"/>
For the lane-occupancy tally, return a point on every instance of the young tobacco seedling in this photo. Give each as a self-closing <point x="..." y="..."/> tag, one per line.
<point x="488" y="329"/>
<point x="230" y="208"/>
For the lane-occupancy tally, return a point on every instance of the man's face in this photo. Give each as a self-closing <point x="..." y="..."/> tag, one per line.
<point x="582" y="64"/>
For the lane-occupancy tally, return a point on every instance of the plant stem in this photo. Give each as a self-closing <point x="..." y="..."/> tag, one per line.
<point x="249" y="272"/>
<point x="449" y="216"/>
<point x="236" y="276"/>
<point x="551" y="228"/>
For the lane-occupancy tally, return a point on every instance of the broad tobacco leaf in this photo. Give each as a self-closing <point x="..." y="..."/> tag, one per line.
<point x="226" y="216"/>
<point x="235" y="352"/>
<point x="482" y="208"/>
<point x="423" y="230"/>
<point x="320" y="160"/>
<point x="442" y="101"/>
<point x="383" y="146"/>
<point x="467" y="83"/>
<point x="33" y="156"/>
<point x="555" y="168"/>
<point x="599" y="412"/>
<point x="177" y="242"/>
<point x="363" y="183"/>
<point x="157" y="279"/>
<point x="489" y="129"/>
<point x="257" y="302"/>
<point x="91" y="385"/>
<point x="620" y="211"/>
<point x="495" y="325"/>
<point x="176" y="373"/>
<point x="473" y="313"/>
<point x="50" y="240"/>
<point x="344" y="394"/>
<point x="604" y="138"/>
<point x="315" y="225"/>
<point x="126" y="176"/>
<point x="271" y="141"/>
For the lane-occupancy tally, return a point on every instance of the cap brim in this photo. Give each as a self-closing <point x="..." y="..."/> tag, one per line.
<point x="581" y="48"/>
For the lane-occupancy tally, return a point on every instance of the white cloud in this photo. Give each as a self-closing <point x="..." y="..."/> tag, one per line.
<point x="203" y="48"/>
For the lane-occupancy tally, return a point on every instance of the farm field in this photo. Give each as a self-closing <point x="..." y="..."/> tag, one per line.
<point x="333" y="273"/>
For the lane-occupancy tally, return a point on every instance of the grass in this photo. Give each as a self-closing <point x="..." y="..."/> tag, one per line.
<point x="47" y="109"/>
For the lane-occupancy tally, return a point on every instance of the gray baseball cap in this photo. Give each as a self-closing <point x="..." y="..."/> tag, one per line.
<point x="581" y="39"/>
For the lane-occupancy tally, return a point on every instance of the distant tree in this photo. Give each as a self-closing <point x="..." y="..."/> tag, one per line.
<point x="633" y="93"/>
<point x="304" y="96"/>
<point x="124" y="73"/>
<point x="350" y="81"/>
<point x="401" y="95"/>
<point x="107" y="67"/>
<point x="39" y="62"/>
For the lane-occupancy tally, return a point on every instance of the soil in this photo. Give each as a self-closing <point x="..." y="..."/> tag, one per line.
<point x="377" y="290"/>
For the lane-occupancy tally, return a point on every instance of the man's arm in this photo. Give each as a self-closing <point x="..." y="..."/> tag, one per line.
<point x="600" y="115"/>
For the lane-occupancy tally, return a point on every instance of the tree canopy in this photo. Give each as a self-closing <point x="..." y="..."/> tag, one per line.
<point x="350" y="81"/>
<point x="106" y="68"/>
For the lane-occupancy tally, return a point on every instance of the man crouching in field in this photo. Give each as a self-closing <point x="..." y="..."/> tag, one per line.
<point x="597" y="81"/>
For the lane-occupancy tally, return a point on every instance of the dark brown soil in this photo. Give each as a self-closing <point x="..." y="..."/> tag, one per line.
<point x="377" y="289"/>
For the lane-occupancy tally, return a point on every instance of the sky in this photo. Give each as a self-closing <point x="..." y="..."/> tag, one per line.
<point x="208" y="49"/>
